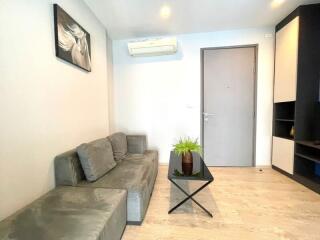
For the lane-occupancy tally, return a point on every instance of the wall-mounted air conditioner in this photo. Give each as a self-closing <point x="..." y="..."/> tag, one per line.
<point x="153" y="47"/>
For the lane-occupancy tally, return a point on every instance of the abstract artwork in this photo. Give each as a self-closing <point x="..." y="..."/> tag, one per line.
<point x="72" y="42"/>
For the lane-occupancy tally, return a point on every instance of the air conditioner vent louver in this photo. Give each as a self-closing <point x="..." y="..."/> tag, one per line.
<point x="153" y="47"/>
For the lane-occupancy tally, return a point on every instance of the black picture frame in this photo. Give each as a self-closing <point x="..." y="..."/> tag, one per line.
<point x="69" y="33"/>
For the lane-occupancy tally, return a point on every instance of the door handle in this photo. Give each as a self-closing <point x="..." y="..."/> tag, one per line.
<point x="205" y="114"/>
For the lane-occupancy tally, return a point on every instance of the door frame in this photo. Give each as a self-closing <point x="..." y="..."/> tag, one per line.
<point x="255" y="87"/>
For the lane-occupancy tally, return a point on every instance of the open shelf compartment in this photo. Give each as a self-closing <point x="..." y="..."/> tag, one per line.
<point x="284" y="111"/>
<point x="307" y="150"/>
<point x="307" y="163"/>
<point x="284" y="119"/>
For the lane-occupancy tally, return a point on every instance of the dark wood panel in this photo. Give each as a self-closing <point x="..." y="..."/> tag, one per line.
<point x="312" y="184"/>
<point x="288" y="19"/>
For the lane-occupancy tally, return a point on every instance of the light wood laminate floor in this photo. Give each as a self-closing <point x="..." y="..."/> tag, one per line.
<point x="246" y="204"/>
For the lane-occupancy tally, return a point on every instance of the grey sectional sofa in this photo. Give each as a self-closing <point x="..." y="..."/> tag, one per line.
<point x="84" y="209"/>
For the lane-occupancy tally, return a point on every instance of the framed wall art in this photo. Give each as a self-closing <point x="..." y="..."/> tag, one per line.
<point x="72" y="42"/>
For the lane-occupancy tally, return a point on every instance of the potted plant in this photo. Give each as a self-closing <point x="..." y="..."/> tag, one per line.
<point x="184" y="148"/>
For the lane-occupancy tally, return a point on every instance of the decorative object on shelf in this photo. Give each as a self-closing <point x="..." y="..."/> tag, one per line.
<point x="72" y="42"/>
<point x="184" y="148"/>
<point x="292" y="132"/>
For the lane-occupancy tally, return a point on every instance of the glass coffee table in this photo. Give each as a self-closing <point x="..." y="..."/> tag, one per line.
<point x="200" y="173"/>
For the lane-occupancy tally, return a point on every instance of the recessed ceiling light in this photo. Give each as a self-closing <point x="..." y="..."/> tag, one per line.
<point x="165" y="11"/>
<point x="277" y="3"/>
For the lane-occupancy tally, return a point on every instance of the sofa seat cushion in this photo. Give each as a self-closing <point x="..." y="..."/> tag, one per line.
<point x="150" y="160"/>
<point x="96" y="158"/>
<point x="136" y="173"/>
<point x="119" y="145"/>
<point x="70" y="213"/>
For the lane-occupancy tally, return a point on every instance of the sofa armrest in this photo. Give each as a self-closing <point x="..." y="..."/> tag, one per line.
<point x="68" y="170"/>
<point x="137" y="144"/>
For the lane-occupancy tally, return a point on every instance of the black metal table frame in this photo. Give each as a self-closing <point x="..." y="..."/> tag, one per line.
<point x="190" y="197"/>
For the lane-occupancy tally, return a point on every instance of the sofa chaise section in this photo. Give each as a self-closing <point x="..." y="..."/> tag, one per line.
<point x="136" y="174"/>
<point x="70" y="213"/>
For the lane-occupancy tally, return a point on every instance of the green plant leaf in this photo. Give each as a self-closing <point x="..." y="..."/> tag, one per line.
<point x="185" y="145"/>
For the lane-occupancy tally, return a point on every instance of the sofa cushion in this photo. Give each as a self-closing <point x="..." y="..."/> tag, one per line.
<point x="137" y="144"/>
<point x="96" y="158"/>
<point x="149" y="158"/>
<point x="70" y="213"/>
<point x="68" y="169"/>
<point x="119" y="145"/>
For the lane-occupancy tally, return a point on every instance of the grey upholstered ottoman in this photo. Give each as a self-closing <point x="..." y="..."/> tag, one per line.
<point x="70" y="213"/>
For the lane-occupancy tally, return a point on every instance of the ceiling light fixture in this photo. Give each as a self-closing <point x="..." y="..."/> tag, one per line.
<point x="165" y="11"/>
<point x="277" y="3"/>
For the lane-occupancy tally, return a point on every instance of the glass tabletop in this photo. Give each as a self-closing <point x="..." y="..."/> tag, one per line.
<point x="200" y="170"/>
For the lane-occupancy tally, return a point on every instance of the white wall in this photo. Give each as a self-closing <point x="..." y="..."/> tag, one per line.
<point x="110" y="83"/>
<point x="47" y="105"/>
<point x="160" y="96"/>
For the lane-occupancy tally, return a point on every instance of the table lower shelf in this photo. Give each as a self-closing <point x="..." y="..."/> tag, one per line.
<point x="190" y="196"/>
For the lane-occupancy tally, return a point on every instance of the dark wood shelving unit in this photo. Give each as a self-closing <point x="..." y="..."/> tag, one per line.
<point x="304" y="113"/>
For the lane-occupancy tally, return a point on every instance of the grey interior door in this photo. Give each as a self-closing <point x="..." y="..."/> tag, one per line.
<point x="229" y="106"/>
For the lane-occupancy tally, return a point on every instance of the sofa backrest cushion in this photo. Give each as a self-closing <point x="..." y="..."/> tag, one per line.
<point x="119" y="145"/>
<point x="137" y="144"/>
<point x="68" y="170"/>
<point x="96" y="158"/>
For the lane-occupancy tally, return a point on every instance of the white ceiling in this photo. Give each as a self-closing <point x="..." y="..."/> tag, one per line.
<point x="140" y="18"/>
